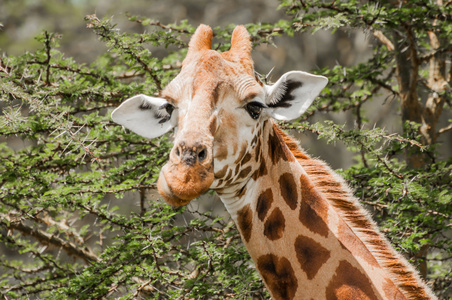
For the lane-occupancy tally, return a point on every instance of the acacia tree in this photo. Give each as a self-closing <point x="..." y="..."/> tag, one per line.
<point x="76" y="216"/>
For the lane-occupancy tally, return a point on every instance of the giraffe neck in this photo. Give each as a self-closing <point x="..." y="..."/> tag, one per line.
<point x="302" y="247"/>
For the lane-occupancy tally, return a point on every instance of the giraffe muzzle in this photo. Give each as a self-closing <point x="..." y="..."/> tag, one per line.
<point x="188" y="173"/>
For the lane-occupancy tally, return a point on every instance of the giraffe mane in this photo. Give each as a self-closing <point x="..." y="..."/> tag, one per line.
<point x="337" y="192"/>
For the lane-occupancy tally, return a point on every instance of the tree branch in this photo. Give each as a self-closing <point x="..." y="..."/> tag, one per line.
<point x="46" y="238"/>
<point x="445" y="129"/>
<point x="384" y="40"/>
<point x="103" y="31"/>
<point x="47" y="62"/>
<point x="166" y="27"/>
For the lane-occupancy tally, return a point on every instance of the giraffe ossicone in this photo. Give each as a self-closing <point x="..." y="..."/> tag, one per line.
<point x="307" y="234"/>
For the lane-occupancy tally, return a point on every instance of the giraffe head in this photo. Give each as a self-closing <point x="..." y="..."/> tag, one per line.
<point x="218" y="107"/>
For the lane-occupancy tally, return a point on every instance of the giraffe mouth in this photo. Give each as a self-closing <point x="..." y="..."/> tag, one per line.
<point x="181" y="183"/>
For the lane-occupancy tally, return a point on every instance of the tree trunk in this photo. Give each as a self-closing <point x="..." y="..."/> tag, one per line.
<point x="407" y="77"/>
<point x="412" y="109"/>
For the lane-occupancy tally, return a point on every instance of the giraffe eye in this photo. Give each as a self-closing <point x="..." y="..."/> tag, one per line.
<point x="254" y="109"/>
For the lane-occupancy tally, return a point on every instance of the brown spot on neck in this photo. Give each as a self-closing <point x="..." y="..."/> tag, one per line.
<point x="278" y="275"/>
<point x="261" y="171"/>
<point x="245" y="159"/>
<point x="264" y="202"/>
<point x="349" y="283"/>
<point x="313" y="210"/>
<point x="244" y="172"/>
<point x="241" y="192"/>
<point x="288" y="189"/>
<point x="245" y="222"/>
<point x="221" y="173"/>
<point x="311" y="255"/>
<point x="254" y="139"/>
<point x="277" y="148"/>
<point x="237" y="168"/>
<point x="257" y="150"/>
<point x="275" y="224"/>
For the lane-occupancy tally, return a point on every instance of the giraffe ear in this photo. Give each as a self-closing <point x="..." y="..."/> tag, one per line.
<point x="293" y="93"/>
<point x="147" y="116"/>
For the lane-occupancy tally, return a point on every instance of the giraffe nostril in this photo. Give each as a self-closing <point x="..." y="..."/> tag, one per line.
<point x="202" y="155"/>
<point x="177" y="152"/>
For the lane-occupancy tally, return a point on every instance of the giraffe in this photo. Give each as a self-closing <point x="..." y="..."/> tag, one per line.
<point x="307" y="235"/>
